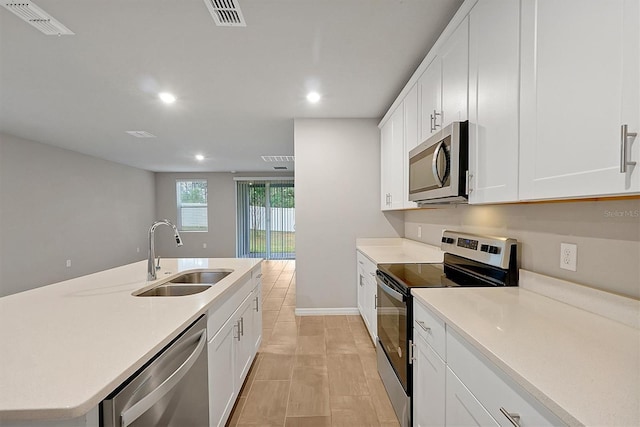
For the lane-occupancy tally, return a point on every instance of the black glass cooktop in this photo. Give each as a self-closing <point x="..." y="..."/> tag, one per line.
<point x="417" y="275"/>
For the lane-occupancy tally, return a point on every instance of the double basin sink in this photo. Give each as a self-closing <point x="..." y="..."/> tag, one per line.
<point x="186" y="284"/>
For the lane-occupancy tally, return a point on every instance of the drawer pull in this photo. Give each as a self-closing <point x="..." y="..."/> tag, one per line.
<point x="423" y="326"/>
<point x="512" y="417"/>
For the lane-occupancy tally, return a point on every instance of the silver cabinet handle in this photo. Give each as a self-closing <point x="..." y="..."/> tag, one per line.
<point x="375" y="302"/>
<point x="242" y="326"/>
<point x="513" y="418"/>
<point x="360" y="262"/>
<point x="259" y="276"/>
<point x="411" y="358"/>
<point x="237" y="325"/>
<point x="423" y="326"/>
<point x="257" y="300"/>
<point x="468" y="176"/>
<point x="431" y="127"/>
<point x="624" y="137"/>
<point x="435" y="115"/>
<point x="143" y="405"/>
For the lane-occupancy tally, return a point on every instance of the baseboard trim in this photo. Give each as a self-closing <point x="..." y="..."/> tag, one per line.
<point x="327" y="311"/>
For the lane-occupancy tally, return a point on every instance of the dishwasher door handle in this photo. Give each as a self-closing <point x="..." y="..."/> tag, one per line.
<point x="144" y="404"/>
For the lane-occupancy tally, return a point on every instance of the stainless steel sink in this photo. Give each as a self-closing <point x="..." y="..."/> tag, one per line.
<point x="186" y="284"/>
<point x="208" y="277"/>
<point x="173" y="290"/>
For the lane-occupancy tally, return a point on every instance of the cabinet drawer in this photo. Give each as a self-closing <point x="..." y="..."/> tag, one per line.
<point x="430" y="327"/>
<point x="493" y="388"/>
<point x="224" y="307"/>
<point x="366" y="267"/>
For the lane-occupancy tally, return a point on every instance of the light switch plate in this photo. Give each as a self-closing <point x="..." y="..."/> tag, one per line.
<point x="568" y="256"/>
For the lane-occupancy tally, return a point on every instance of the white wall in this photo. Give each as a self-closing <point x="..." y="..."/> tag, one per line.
<point x="337" y="200"/>
<point x="607" y="234"/>
<point x="56" y="205"/>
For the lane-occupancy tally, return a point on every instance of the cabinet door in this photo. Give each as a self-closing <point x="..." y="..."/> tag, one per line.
<point x="222" y="383"/>
<point x="392" y="146"/>
<point x="362" y="292"/>
<point x="462" y="408"/>
<point x="256" y="324"/>
<point x="494" y="76"/>
<point x="579" y="76"/>
<point x="411" y="140"/>
<point x="373" y="308"/>
<point x="246" y="344"/>
<point x="454" y="56"/>
<point x="430" y="96"/>
<point x="429" y="373"/>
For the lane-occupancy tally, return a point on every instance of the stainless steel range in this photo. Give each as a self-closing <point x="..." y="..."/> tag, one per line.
<point x="469" y="260"/>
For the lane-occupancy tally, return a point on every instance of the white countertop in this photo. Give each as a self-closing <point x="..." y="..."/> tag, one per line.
<point x="66" y="346"/>
<point x="397" y="250"/>
<point x="584" y="367"/>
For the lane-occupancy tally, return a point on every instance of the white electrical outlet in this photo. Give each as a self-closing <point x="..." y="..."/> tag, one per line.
<point x="419" y="231"/>
<point x="68" y="263"/>
<point x="568" y="256"/>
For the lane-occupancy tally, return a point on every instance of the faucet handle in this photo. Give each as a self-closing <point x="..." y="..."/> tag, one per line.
<point x="158" y="262"/>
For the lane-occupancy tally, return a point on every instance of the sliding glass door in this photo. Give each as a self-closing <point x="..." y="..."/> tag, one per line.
<point x="266" y="218"/>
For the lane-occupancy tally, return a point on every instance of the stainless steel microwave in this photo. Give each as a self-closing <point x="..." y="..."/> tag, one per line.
<point x="438" y="168"/>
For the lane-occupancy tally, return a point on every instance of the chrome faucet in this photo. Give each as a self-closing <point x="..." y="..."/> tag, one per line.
<point x="151" y="268"/>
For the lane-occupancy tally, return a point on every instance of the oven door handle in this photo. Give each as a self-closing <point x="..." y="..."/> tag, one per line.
<point x="391" y="292"/>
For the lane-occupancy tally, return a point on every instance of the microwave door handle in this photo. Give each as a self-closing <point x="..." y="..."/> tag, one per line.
<point x="434" y="163"/>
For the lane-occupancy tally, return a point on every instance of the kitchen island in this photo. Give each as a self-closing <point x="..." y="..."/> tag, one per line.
<point x="66" y="346"/>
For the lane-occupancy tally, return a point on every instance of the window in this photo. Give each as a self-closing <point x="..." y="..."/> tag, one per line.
<point x="192" y="205"/>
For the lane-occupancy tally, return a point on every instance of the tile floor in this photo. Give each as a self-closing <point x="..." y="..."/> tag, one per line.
<point x="310" y="370"/>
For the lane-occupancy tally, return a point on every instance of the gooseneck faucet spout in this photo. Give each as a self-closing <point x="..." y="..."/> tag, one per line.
<point x="151" y="268"/>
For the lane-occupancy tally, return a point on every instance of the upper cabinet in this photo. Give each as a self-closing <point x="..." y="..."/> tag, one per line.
<point x="443" y="86"/>
<point x="579" y="90"/>
<point x="551" y="90"/>
<point x="494" y="78"/>
<point x="391" y="160"/>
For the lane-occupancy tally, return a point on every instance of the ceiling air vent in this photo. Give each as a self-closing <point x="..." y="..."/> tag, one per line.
<point x="226" y="13"/>
<point x="32" y="14"/>
<point x="279" y="158"/>
<point x="140" y="134"/>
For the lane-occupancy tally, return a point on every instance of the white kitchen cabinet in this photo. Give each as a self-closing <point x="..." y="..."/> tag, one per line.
<point x="492" y="387"/>
<point x="429" y="372"/>
<point x="494" y="77"/>
<point x="430" y="95"/>
<point x="222" y="378"/>
<point x="579" y="71"/>
<point x="391" y="163"/>
<point x="411" y="140"/>
<point x="256" y="323"/>
<point x="443" y="87"/>
<point x="233" y="346"/>
<point x="367" y="293"/>
<point x="463" y="409"/>
<point x="454" y="56"/>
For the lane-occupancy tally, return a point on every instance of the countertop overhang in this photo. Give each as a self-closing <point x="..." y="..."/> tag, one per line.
<point x="66" y="346"/>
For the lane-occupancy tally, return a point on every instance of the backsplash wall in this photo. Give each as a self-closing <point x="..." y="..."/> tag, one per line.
<point x="607" y="234"/>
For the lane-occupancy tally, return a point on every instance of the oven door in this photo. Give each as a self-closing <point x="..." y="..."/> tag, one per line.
<point x="392" y="328"/>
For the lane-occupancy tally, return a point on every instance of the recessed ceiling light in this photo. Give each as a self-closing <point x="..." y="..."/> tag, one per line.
<point x="199" y="157"/>
<point x="167" y="98"/>
<point x="313" y="97"/>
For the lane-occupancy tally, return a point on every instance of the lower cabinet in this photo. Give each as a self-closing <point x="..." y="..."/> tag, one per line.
<point x="233" y="347"/>
<point x="466" y="389"/>
<point x="462" y="408"/>
<point x="428" y="385"/>
<point x="367" y="294"/>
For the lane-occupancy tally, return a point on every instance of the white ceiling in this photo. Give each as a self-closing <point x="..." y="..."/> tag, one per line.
<point x="238" y="88"/>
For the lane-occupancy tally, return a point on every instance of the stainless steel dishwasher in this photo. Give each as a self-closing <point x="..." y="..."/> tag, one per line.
<point x="170" y="390"/>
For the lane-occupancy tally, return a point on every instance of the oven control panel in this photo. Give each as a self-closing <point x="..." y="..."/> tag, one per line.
<point x="495" y="251"/>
